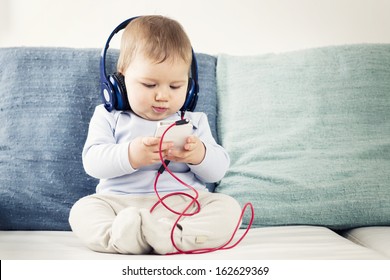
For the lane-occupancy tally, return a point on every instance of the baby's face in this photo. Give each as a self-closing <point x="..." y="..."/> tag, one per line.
<point x="156" y="91"/>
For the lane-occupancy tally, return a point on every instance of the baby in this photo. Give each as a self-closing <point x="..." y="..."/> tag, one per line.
<point x="121" y="151"/>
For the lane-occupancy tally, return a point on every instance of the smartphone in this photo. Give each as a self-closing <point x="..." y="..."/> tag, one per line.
<point x="176" y="134"/>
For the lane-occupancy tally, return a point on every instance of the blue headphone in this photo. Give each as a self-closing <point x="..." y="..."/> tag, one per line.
<point x="113" y="88"/>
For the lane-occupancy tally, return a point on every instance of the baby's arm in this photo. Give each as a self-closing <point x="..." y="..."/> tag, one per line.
<point x="214" y="165"/>
<point x="103" y="157"/>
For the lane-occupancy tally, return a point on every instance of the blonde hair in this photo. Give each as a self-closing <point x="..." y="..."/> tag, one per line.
<point x="158" y="38"/>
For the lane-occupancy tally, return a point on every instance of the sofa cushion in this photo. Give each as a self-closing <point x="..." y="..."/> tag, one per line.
<point x="309" y="135"/>
<point x="376" y="238"/>
<point x="271" y="243"/>
<point x="47" y="97"/>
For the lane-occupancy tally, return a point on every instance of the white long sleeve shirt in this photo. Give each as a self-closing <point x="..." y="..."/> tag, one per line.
<point x="105" y="155"/>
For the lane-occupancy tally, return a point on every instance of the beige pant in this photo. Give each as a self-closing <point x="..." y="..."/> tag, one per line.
<point x="124" y="224"/>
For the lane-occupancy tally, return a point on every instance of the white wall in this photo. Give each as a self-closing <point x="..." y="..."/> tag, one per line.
<point x="214" y="26"/>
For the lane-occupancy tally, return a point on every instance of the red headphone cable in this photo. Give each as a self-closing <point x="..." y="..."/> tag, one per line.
<point x="194" y="201"/>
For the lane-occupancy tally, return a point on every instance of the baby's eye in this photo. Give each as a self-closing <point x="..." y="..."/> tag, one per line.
<point x="174" y="87"/>
<point x="148" y="85"/>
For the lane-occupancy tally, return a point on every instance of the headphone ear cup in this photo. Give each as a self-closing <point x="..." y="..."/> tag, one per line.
<point x="108" y="96"/>
<point x="191" y="85"/>
<point x="117" y="81"/>
<point x="191" y="97"/>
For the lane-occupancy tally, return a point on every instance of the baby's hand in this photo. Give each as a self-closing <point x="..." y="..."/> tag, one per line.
<point x="144" y="151"/>
<point x="193" y="151"/>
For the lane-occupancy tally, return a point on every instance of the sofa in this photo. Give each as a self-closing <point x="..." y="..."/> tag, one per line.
<point x="308" y="133"/>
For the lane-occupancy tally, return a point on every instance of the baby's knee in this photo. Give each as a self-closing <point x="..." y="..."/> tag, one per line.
<point x="78" y="210"/>
<point x="229" y="205"/>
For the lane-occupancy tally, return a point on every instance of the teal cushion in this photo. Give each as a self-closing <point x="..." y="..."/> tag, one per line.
<point x="308" y="133"/>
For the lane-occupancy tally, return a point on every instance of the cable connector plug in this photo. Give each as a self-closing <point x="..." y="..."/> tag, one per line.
<point x="162" y="167"/>
<point x="181" y="122"/>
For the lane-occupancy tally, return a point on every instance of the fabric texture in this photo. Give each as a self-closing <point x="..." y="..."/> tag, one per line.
<point x="308" y="133"/>
<point x="270" y="243"/>
<point x="47" y="97"/>
<point x="377" y="238"/>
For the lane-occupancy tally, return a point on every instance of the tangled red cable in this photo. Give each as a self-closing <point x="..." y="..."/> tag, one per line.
<point x="194" y="201"/>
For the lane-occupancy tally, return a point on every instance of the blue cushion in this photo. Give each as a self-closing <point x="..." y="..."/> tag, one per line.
<point x="47" y="99"/>
<point x="308" y="133"/>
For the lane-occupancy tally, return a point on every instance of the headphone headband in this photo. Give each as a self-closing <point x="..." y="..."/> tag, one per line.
<point x="113" y="89"/>
<point x="121" y="26"/>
